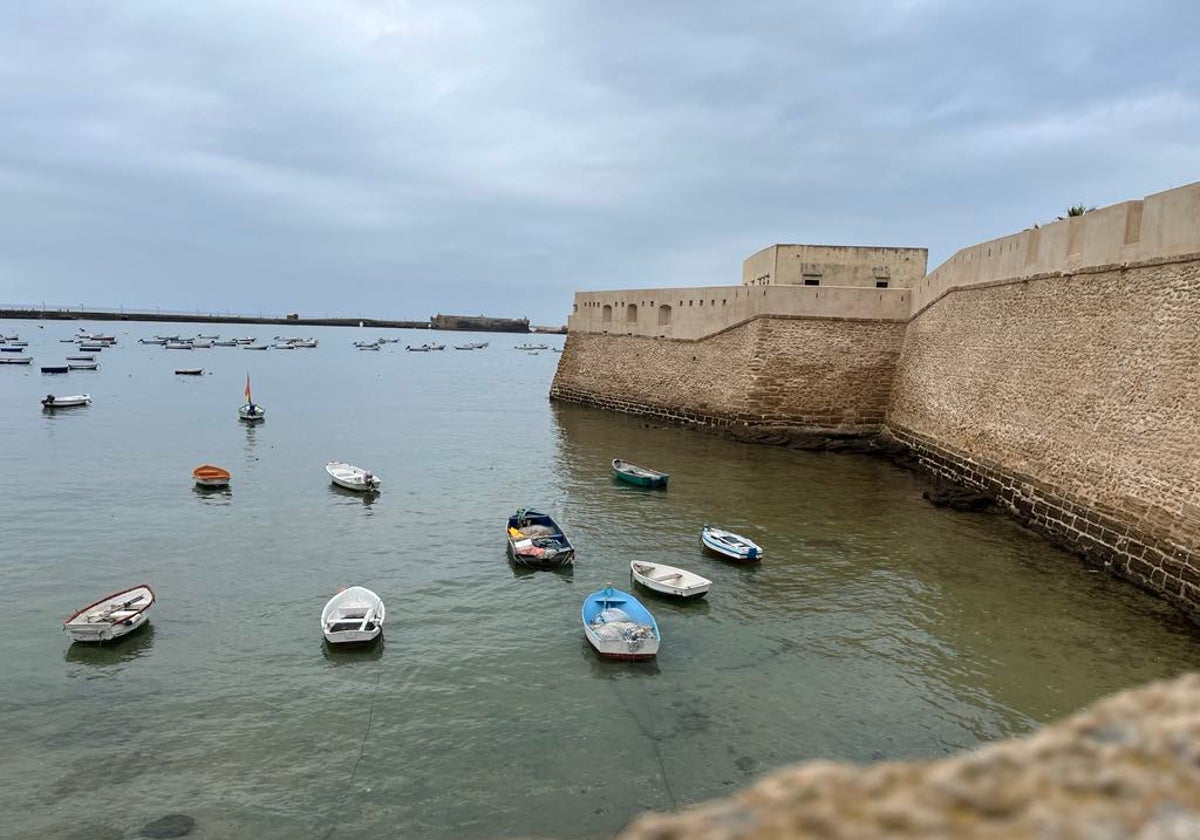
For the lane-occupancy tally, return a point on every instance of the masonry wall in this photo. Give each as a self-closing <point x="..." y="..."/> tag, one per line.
<point x="1075" y="398"/>
<point x="771" y="371"/>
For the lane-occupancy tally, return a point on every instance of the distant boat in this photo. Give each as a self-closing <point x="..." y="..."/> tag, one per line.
<point x="112" y="617"/>
<point x="178" y="345"/>
<point x="12" y="349"/>
<point x="17" y="344"/>
<point x="729" y="544"/>
<point x="66" y="341"/>
<point x="352" y="477"/>
<point x="367" y="346"/>
<point x="305" y="343"/>
<point x="536" y="540"/>
<point x="202" y="345"/>
<point x="15" y="360"/>
<point x="208" y="337"/>
<point x="256" y="347"/>
<point x="669" y="580"/>
<point x="206" y="475"/>
<point x="437" y="346"/>
<point x="166" y="338"/>
<point x="618" y="626"/>
<point x="94" y="348"/>
<point x="528" y="346"/>
<point x="250" y="412"/>
<point x="246" y="340"/>
<point x="284" y="346"/>
<point x="55" y="369"/>
<point x="354" y="615"/>
<point x="639" y="476"/>
<point x="424" y="348"/>
<point x="229" y="343"/>
<point x="83" y="365"/>
<point x="51" y="401"/>
<point x="189" y="371"/>
<point x="81" y="358"/>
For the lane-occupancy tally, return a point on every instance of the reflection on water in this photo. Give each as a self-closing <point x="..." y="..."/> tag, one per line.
<point x="566" y="574"/>
<point x="103" y="654"/>
<point x="366" y="498"/>
<point x="351" y="654"/>
<point x="213" y="495"/>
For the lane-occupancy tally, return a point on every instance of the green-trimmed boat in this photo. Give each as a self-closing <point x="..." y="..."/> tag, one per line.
<point x="638" y="476"/>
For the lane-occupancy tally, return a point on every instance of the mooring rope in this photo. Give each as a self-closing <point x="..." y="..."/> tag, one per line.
<point x="362" y="748"/>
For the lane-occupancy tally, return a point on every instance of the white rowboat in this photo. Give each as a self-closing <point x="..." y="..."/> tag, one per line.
<point x="111" y="617"/>
<point x="52" y="401"/>
<point x="352" y="477"/>
<point x="353" y="616"/>
<point x="669" y="580"/>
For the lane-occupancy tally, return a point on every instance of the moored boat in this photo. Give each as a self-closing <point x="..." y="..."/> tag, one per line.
<point x="729" y="544"/>
<point x="618" y="626"/>
<point x="111" y="617"/>
<point x="352" y="477"/>
<point x="669" y="580"/>
<point x="354" y="615"/>
<point x="15" y="360"/>
<point x="536" y="540"/>
<point x="638" y="476"/>
<point x="424" y="348"/>
<point x="81" y="358"/>
<point x="256" y="347"/>
<point x="251" y="412"/>
<point x="55" y="368"/>
<point x="207" y="475"/>
<point x="51" y="401"/>
<point x="178" y="345"/>
<point x="158" y="341"/>
<point x="83" y="365"/>
<point x="189" y="371"/>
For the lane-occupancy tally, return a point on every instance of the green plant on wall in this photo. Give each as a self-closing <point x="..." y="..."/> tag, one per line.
<point x="1078" y="210"/>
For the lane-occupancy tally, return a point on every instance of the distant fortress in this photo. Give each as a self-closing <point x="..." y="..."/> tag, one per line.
<point x="1056" y="369"/>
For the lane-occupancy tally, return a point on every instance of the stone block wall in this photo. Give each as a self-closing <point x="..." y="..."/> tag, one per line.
<point x="770" y="371"/>
<point x="1075" y="399"/>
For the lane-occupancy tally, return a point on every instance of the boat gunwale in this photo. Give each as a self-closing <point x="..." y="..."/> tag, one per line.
<point x="109" y="597"/>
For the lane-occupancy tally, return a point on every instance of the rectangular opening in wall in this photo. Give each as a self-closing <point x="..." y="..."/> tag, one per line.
<point x="881" y="284"/>
<point x="812" y="281"/>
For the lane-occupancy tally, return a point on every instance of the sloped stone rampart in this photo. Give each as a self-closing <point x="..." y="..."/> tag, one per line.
<point x="814" y="372"/>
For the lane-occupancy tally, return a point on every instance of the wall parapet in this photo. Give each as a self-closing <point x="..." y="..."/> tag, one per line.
<point x="701" y="311"/>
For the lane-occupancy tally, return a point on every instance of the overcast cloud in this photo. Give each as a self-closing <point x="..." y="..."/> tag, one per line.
<point x="396" y="159"/>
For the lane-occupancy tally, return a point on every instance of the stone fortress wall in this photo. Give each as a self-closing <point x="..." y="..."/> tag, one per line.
<point x="1058" y="369"/>
<point x="835" y="265"/>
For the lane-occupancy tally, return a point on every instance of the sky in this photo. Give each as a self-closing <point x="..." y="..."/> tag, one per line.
<point x="399" y="159"/>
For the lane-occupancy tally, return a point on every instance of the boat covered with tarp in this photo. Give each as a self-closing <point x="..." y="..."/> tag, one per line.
<point x="618" y="626"/>
<point x="536" y="540"/>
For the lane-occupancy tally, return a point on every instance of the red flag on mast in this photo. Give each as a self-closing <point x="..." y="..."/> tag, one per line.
<point x="248" y="388"/>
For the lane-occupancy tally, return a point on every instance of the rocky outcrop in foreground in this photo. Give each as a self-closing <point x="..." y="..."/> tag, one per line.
<point x="1128" y="767"/>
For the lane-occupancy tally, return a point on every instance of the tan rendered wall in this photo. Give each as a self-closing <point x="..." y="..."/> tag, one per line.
<point x="1076" y="398"/>
<point x="1162" y="225"/>
<point x="700" y="311"/>
<point x="767" y="372"/>
<point x="835" y="265"/>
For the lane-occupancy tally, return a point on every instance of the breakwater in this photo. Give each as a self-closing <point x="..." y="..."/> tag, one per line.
<point x="1054" y="370"/>
<point x="480" y="323"/>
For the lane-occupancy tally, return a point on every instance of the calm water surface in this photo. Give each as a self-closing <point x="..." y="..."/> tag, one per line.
<point x="877" y="628"/>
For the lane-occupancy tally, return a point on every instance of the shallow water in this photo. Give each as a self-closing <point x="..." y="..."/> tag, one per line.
<point x="876" y="628"/>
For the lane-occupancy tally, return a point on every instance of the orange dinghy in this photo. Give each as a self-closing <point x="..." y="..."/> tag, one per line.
<point x="207" y="475"/>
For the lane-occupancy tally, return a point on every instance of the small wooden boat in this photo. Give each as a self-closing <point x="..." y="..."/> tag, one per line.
<point x="83" y="365"/>
<point x="81" y="358"/>
<point x="158" y="341"/>
<point x="189" y="371"/>
<point x="12" y="349"/>
<point x="638" y="476"/>
<point x="618" y="626"/>
<point x="729" y="544"/>
<point x="112" y="617"/>
<point x="424" y="348"/>
<point x="352" y="477"/>
<point x="535" y="540"/>
<point x="256" y="347"/>
<point x="178" y="345"/>
<point x="15" y="360"/>
<point x="206" y="475"/>
<point x="669" y="580"/>
<point x="51" y="401"/>
<point x="354" y="615"/>
<point x="225" y="343"/>
<point x="252" y="413"/>
<point x="55" y="368"/>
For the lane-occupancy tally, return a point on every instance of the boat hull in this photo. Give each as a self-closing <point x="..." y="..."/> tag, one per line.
<point x="679" y="585"/>
<point x="620" y="650"/>
<point x="350" y="477"/>
<point x="353" y="637"/>
<point x="353" y="616"/>
<point x="563" y="558"/>
<point x="98" y="633"/>
<point x="747" y="555"/>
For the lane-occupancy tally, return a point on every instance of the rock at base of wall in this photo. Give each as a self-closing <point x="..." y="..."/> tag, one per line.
<point x="958" y="498"/>
<point x="172" y="825"/>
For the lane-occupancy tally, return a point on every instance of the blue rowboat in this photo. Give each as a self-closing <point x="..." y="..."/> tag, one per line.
<point x="618" y="626"/>
<point x="729" y="544"/>
<point x="638" y="476"/>
<point x="535" y="540"/>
